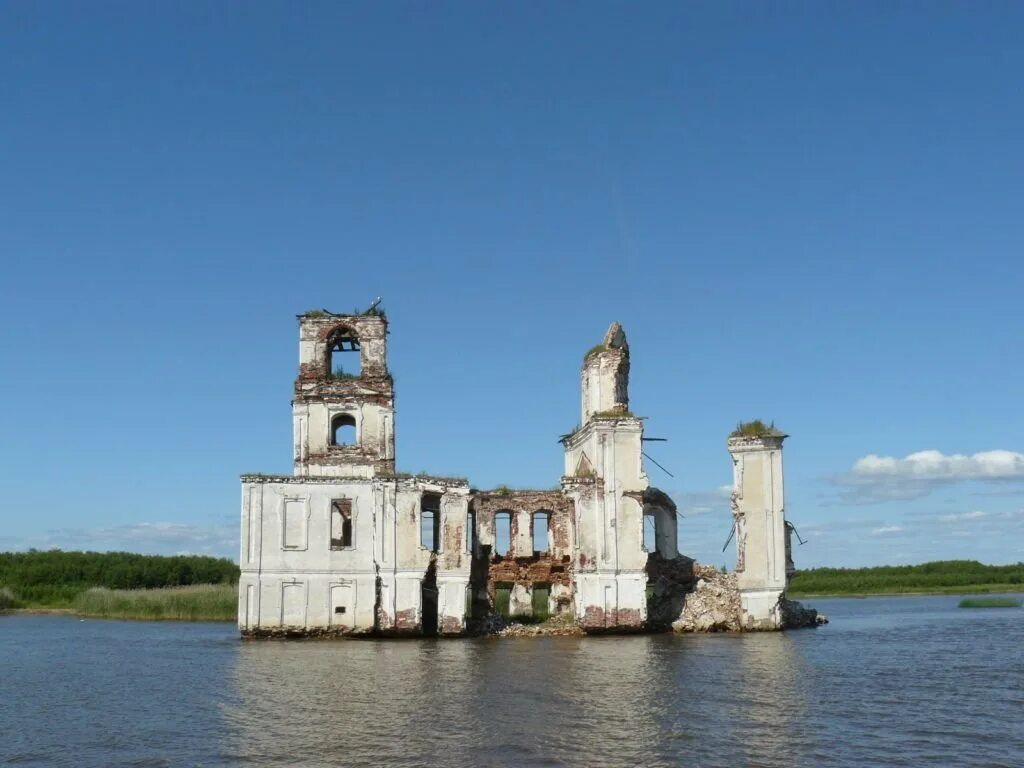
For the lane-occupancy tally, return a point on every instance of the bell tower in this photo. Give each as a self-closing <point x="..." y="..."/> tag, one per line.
<point x="343" y="410"/>
<point x="604" y="476"/>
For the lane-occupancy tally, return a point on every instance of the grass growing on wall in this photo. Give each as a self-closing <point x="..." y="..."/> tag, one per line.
<point x="200" y="602"/>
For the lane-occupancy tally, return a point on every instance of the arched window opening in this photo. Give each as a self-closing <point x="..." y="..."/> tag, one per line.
<point x="650" y="532"/>
<point x="541" y="524"/>
<point x="339" y="364"/>
<point x="343" y="429"/>
<point x="430" y="522"/>
<point x="341" y="524"/>
<point x="502" y="533"/>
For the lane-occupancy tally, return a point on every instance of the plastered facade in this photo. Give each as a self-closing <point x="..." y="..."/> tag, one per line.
<point x="763" y="564"/>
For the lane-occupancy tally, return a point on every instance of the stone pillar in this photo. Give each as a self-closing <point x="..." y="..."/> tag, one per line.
<point x="759" y="516"/>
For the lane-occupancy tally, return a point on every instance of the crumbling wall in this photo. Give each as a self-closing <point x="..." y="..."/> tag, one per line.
<point x="320" y="396"/>
<point x="318" y="331"/>
<point x="604" y="377"/>
<point x="522" y="567"/>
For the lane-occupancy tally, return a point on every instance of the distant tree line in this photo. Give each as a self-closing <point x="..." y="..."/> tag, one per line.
<point x="55" y="578"/>
<point x="939" y="576"/>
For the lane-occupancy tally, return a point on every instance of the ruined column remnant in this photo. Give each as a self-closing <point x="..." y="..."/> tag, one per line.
<point x="760" y="523"/>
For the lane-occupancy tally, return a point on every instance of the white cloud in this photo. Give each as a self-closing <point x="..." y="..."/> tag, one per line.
<point x="887" y="529"/>
<point x="934" y="466"/>
<point x="975" y="515"/>
<point x="162" y="538"/>
<point x="703" y="502"/>
<point x="875" y="479"/>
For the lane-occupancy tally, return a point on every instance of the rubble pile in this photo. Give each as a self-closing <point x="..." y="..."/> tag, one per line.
<point x="713" y="605"/>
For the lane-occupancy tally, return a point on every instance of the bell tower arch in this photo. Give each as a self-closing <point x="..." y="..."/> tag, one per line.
<point x="343" y="409"/>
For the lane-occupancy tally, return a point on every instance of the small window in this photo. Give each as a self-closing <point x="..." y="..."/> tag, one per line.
<point x="541" y="523"/>
<point x="343" y="429"/>
<point x="470" y="531"/>
<point x="502" y="533"/>
<point x="341" y="524"/>
<point x="430" y="522"/>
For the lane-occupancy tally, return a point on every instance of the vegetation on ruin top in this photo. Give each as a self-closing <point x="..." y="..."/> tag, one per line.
<point x="755" y="428"/>
<point x="595" y="350"/>
<point x="613" y="413"/>
<point x="374" y="311"/>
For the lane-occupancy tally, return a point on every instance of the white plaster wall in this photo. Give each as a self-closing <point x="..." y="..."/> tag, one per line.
<point x="312" y="436"/>
<point x="523" y="544"/>
<point x="612" y="593"/>
<point x="610" y="524"/>
<point x="760" y="501"/>
<point x="600" y="385"/>
<point x="306" y="601"/>
<point x="521" y="601"/>
<point x="451" y="597"/>
<point x="761" y="533"/>
<point x="273" y="575"/>
<point x="761" y="609"/>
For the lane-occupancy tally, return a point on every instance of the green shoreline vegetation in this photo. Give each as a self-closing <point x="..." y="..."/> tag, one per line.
<point x="120" y="585"/>
<point x="198" y="602"/>
<point x="198" y="588"/>
<point x="942" y="577"/>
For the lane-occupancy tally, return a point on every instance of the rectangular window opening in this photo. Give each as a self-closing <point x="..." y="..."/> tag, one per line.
<point x="341" y="524"/>
<point x="541" y="525"/>
<point x="502" y="533"/>
<point x="430" y="522"/>
<point x="502" y="599"/>
<point x="541" y="600"/>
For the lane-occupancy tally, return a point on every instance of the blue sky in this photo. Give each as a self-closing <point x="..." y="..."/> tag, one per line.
<point x="810" y="213"/>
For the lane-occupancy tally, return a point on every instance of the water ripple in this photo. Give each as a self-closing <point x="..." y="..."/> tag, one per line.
<point x="891" y="682"/>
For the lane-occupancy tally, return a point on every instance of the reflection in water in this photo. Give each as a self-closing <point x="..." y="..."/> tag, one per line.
<point x="489" y="702"/>
<point x="352" y="703"/>
<point x="770" y="703"/>
<point x="890" y="682"/>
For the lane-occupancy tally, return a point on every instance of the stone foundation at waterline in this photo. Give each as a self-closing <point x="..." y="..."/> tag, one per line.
<point x="348" y="546"/>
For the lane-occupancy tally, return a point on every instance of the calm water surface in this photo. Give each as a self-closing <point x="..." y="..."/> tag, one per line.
<point x="890" y="682"/>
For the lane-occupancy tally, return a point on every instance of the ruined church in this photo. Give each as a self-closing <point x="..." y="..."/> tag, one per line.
<point x="349" y="545"/>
